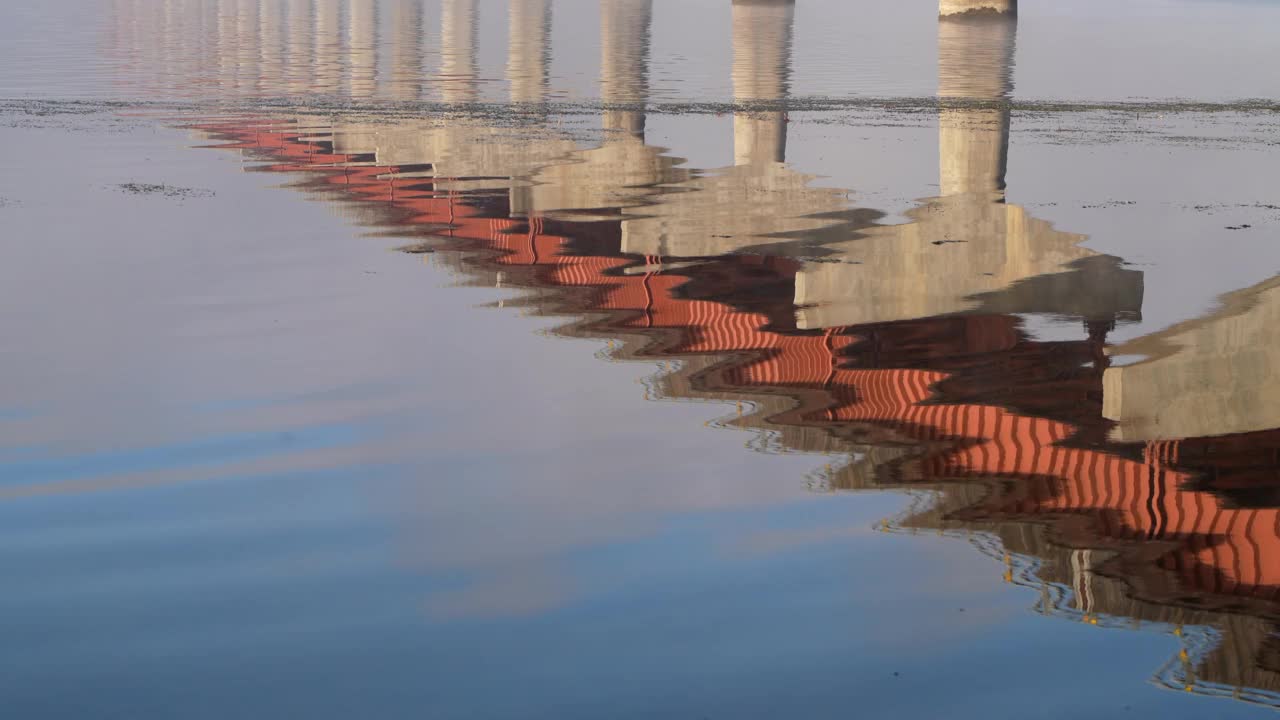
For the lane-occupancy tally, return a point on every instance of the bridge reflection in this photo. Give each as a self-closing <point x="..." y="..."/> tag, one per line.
<point x="1138" y="495"/>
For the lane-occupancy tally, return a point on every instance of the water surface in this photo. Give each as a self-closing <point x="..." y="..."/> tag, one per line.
<point x="635" y="359"/>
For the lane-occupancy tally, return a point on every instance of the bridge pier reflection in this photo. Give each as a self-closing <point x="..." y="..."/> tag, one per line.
<point x="622" y="171"/>
<point x="458" y="48"/>
<point x="759" y="199"/>
<point x="624" y="63"/>
<point x="975" y="79"/>
<point x="762" y="32"/>
<point x="528" y="50"/>
<point x="961" y="7"/>
<point x="968" y="251"/>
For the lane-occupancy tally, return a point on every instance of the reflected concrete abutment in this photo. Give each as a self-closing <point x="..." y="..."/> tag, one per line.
<point x="1212" y="376"/>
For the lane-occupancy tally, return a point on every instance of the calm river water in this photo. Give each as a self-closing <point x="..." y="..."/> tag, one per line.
<point x="639" y="359"/>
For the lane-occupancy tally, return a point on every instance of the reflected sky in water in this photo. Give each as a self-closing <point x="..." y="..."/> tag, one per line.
<point x="565" y="359"/>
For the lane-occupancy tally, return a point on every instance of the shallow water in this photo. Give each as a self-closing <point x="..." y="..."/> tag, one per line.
<point x="631" y="359"/>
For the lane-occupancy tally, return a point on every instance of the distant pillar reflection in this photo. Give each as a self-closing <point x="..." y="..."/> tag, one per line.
<point x="528" y="49"/>
<point x="271" y="48"/>
<point x="362" y="47"/>
<point x="759" y="199"/>
<point x="975" y="79"/>
<point x="327" y="46"/>
<point x="227" y="44"/>
<point x="247" y="61"/>
<point x="458" y="42"/>
<point x="301" y="27"/>
<point x="761" y="74"/>
<point x="406" y="49"/>
<point x="624" y="63"/>
<point x="977" y="7"/>
<point x="622" y="170"/>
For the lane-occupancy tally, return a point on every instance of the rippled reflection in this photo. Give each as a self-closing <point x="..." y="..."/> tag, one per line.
<point x="1140" y="495"/>
<point x="529" y="56"/>
<point x="408" y="20"/>
<point x="968" y="251"/>
<point x="761" y="72"/>
<point x="1209" y="376"/>
<point x="458" y="46"/>
<point x="624" y="62"/>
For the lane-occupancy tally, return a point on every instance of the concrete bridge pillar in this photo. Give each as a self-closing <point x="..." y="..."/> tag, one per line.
<point x="326" y="45"/>
<point x="624" y="62"/>
<point x="300" y="22"/>
<point x="459" y="43"/>
<point x="362" y="48"/>
<point x="406" y="49"/>
<point x="528" y="49"/>
<point x="762" y="32"/>
<point x="961" y="7"/>
<point x="975" y="79"/>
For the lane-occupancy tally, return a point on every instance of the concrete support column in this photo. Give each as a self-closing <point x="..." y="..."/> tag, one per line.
<point x="271" y="30"/>
<point x="406" y="49"/>
<point x="326" y="47"/>
<point x="528" y="49"/>
<point x="961" y="7"/>
<point x="761" y="74"/>
<point x="362" y="48"/>
<point x="624" y="61"/>
<point x="227" y="43"/>
<point x="300" y="23"/>
<point x="247" y="59"/>
<point x="975" y="78"/>
<point x="458" y="47"/>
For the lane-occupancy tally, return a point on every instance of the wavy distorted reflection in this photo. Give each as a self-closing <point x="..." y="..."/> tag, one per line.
<point x="408" y="20"/>
<point x="1137" y="495"/>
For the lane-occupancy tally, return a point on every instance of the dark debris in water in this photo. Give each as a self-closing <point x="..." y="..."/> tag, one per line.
<point x="1107" y="121"/>
<point x="169" y="191"/>
<point x="516" y="113"/>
